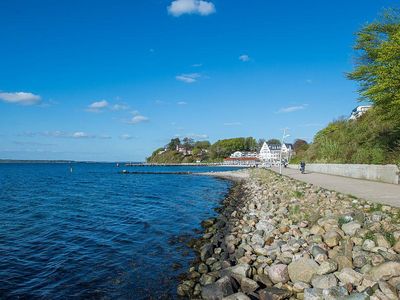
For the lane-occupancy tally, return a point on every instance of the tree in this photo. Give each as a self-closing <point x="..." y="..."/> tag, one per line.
<point x="378" y="65"/>
<point x="188" y="143"/>
<point x="260" y="143"/>
<point x="173" y="143"/>
<point x="202" y="145"/>
<point x="274" y="142"/>
<point x="300" y="145"/>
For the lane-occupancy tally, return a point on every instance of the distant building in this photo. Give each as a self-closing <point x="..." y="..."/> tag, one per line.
<point x="272" y="152"/>
<point x="241" y="161"/>
<point x="243" y="154"/>
<point x="359" y="111"/>
<point x="183" y="150"/>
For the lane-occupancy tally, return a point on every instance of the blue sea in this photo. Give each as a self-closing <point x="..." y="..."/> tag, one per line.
<point x="98" y="234"/>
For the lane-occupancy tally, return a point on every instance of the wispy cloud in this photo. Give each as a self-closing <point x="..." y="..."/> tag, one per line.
<point x="188" y="78"/>
<point x="22" y="98"/>
<point x="293" y="108"/>
<point x="244" y="58"/>
<point x="197" y="65"/>
<point x="120" y="107"/>
<point x="126" y="136"/>
<point x="137" y="118"/>
<point x="197" y="136"/>
<point x="181" y="103"/>
<point x="97" y="106"/>
<point x="64" y="134"/>
<point x="199" y="7"/>
<point x="232" y="124"/>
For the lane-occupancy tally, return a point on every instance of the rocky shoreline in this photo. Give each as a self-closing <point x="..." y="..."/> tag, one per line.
<point x="278" y="238"/>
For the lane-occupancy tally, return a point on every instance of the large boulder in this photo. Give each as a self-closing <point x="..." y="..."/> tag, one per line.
<point x="273" y="293"/>
<point x="324" y="281"/>
<point x="348" y="275"/>
<point x="302" y="270"/>
<point x="236" y="272"/>
<point x="217" y="290"/>
<point x="351" y="228"/>
<point x="237" y="296"/>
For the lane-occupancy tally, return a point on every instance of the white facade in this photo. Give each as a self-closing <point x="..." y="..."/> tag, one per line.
<point x="272" y="153"/>
<point x="238" y="154"/>
<point x="359" y="111"/>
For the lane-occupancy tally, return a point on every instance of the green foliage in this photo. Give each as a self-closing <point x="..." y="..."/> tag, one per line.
<point x="173" y="143"/>
<point x="390" y="238"/>
<point x="298" y="194"/>
<point x="343" y="220"/>
<point x="274" y="142"/>
<point x="224" y="148"/>
<point x="369" y="236"/>
<point x="378" y="65"/>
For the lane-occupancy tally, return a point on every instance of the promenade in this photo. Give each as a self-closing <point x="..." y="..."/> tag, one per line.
<point x="378" y="192"/>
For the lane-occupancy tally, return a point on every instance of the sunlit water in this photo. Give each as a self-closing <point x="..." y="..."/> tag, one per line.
<point x="95" y="233"/>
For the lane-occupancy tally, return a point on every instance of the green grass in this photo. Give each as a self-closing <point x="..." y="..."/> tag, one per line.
<point x="298" y="194"/>
<point x="390" y="238"/>
<point x="369" y="236"/>
<point x="376" y="207"/>
<point x="343" y="220"/>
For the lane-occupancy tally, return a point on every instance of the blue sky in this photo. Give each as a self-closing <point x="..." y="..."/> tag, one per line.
<point x="113" y="80"/>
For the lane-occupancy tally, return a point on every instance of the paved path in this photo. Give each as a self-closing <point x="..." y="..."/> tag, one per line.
<point x="385" y="193"/>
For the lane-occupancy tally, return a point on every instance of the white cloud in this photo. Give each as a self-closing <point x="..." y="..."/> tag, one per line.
<point x="80" y="135"/>
<point x="22" y="98"/>
<point x="126" y="136"/>
<point x="188" y="78"/>
<point x="120" y="107"/>
<point x="181" y="103"/>
<point x="244" y="57"/>
<point x="292" y="108"/>
<point x="197" y="136"/>
<point x="233" y="124"/>
<point x="197" y="65"/>
<point x="97" y="106"/>
<point x="136" y="119"/>
<point x="199" y="7"/>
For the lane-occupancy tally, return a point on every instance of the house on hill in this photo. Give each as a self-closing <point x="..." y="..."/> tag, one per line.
<point x="272" y="152"/>
<point x="359" y="111"/>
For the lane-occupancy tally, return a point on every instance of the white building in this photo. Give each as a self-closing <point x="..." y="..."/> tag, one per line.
<point x="238" y="154"/>
<point x="359" y="111"/>
<point x="272" y="153"/>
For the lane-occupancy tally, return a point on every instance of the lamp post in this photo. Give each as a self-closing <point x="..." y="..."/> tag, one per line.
<point x="280" y="152"/>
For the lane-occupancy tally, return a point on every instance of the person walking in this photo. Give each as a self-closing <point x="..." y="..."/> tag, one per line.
<point x="303" y="167"/>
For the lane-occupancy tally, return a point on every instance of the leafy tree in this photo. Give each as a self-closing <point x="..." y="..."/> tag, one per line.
<point x="202" y="145"/>
<point x="274" y="142"/>
<point x="300" y="145"/>
<point x="173" y="143"/>
<point x="378" y="65"/>
<point x="260" y="144"/>
<point x="188" y="143"/>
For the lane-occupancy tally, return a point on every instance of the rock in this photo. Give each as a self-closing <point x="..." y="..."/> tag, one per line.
<point x="300" y="286"/>
<point x="206" y="251"/>
<point x="357" y="296"/>
<point x="217" y="290"/>
<point x="202" y="268"/>
<point x="206" y="279"/>
<point x="324" y="281"/>
<point x="334" y="293"/>
<point x="183" y="290"/>
<point x="241" y="270"/>
<point x="248" y="285"/>
<point x="317" y="230"/>
<point x="351" y="228"/>
<point x="261" y="251"/>
<point x="313" y="294"/>
<point x="257" y="240"/>
<point x="343" y="262"/>
<point x="396" y="246"/>
<point x="388" y="290"/>
<point x="360" y="261"/>
<point x="265" y="226"/>
<point x="302" y="270"/>
<point x="368" y="245"/>
<point x="278" y="273"/>
<point x="331" y="238"/>
<point x="348" y="275"/>
<point x="264" y="279"/>
<point x="385" y="271"/>
<point x="237" y="296"/>
<point x="207" y="223"/>
<point x="382" y="241"/>
<point x="319" y="254"/>
<point x="273" y="293"/>
<point x="327" y="267"/>
<point x="376" y="260"/>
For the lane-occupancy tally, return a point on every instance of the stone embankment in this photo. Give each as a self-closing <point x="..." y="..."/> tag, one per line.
<point x="277" y="238"/>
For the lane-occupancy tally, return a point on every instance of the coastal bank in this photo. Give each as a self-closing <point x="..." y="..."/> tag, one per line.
<point x="278" y="238"/>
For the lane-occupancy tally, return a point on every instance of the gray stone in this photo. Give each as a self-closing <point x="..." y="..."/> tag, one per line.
<point x="241" y="270"/>
<point x="348" y="275"/>
<point x="217" y="290"/>
<point x="278" y="273"/>
<point x="368" y="245"/>
<point x="388" y="290"/>
<point x="273" y="293"/>
<point x="237" y="296"/>
<point x="206" y="279"/>
<point x="248" y="285"/>
<point x="313" y="294"/>
<point x="351" y="228"/>
<point x="206" y="251"/>
<point x="265" y="226"/>
<point x="332" y="238"/>
<point x="327" y="267"/>
<point x="302" y="270"/>
<point x="360" y="261"/>
<point x="203" y="268"/>
<point x="385" y="271"/>
<point x="334" y="293"/>
<point x="324" y="281"/>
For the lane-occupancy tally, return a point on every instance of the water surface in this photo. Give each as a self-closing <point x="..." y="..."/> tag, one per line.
<point x="95" y="233"/>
